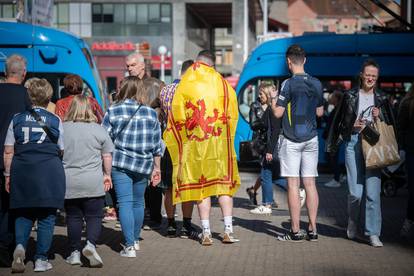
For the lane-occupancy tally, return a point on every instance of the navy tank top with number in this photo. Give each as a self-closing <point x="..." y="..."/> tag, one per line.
<point x="37" y="174"/>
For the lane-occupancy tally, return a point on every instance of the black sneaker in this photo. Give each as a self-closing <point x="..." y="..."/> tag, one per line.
<point x="293" y="237"/>
<point x="189" y="233"/>
<point x="171" y="231"/>
<point x="312" y="235"/>
<point x="252" y="195"/>
<point x="151" y="225"/>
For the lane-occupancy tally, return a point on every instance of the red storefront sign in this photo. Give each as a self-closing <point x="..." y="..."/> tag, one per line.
<point x="113" y="46"/>
<point x="156" y="62"/>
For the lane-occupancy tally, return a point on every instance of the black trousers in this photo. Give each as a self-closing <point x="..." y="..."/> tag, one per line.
<point x="409" y="163"/>
<point x="6" y="217"/>
<point x="90" y="209"/>
<point x="153" y="201"/>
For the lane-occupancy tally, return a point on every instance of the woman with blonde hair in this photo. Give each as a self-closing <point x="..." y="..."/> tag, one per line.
<point x="270" y="128"/>
<point x="51" y="107"/>
<point x="87" y="162"/>
<point x="136" y="134"/>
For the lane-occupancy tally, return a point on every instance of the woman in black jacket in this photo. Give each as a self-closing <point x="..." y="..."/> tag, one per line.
<point x="348" y="123"/>
<point x="406" y="135"/>
<point x="270" y="166"/>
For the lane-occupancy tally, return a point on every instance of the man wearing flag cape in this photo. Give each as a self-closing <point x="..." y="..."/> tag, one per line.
<point x="200" y="138"/>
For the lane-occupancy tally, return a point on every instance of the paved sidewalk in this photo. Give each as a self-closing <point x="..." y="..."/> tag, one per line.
<point x="258" y="253"/>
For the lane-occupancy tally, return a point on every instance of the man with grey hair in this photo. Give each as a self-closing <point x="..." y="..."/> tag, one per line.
<point x="135" y="65"/>
<point x="13" y="99"/>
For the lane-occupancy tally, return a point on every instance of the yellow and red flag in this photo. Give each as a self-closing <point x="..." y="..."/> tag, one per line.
<point x="200" y="136"/>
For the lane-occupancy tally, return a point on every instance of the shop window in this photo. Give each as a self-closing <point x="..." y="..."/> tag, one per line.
<point x="7" y="11"/>
<point x="108" y="13"/>
<point x="142" y="13"/>
<point x="97" y="13"/>
<point x="63" y="14"/>
<point x="119" y="13"/>
<point x="111" y="83"/>
<point x="165" y="13"/>
<point x="131" y="13"/>
<point x="154" y="13"/>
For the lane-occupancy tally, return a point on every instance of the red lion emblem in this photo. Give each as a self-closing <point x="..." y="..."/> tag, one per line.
<point x="199" y="119"/>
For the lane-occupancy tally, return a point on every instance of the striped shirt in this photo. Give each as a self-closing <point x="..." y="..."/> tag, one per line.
<point x="139" y="141"/>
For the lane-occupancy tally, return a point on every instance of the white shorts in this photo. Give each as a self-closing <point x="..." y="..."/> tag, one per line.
<point x="298" y="159"/>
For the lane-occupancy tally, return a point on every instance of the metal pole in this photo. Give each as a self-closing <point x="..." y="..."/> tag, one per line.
<point x="409" y="11"/>
<point x="162" y="67"/>
<point x="265" y="24"/>
<point x="245" y="30"/>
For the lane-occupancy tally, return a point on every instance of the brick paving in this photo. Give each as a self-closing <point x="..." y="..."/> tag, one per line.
<point x="258" y="253"/>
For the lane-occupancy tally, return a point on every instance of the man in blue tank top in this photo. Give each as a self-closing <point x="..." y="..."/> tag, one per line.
<point x="299" y="103"/>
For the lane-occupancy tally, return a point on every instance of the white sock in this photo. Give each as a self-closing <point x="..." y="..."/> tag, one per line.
<point x="205" y="223"/>
<point x="228" y="224"/>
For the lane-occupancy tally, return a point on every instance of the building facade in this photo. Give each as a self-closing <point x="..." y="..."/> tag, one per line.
<point x="114" y="29"/>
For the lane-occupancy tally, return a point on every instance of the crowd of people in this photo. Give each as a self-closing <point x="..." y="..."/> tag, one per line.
<point x="177" y="141"/>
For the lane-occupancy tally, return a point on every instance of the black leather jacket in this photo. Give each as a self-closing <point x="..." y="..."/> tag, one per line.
<point x="345" y="116"/>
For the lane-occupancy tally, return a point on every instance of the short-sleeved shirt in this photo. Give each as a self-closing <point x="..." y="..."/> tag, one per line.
<point x="84" y="145"/>
<point x="13" y="99"/>
<point x="36" y="173"/>
<point x="300" y="95"/>
<point x="167" y="95"/>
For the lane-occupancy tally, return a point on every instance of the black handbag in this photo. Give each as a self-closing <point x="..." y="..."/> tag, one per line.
<point x="252" y="150"/>
<point x="369" y="133"/>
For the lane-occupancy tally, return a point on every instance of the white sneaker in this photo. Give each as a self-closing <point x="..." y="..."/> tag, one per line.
<point x="351" y="230"/>
<point x="333" y="184"/>
<point x="89" y="251"/>
<point x="261" y="210"/>
<point x="74" y="258"/>
<point x="302" y="196"/>
<point x="41" y="265"/>
<point x="128" y="252"/>
<point x="136" y="245"/>
<point x="342" y="179"/>
<point x="19" y="255"/>
<point x="375" y="241"/>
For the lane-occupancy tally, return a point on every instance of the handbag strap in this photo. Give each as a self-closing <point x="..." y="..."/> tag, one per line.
<point x="45" y="128"/>
<point x="368" y="109"/>
<point x="129" y="120"/>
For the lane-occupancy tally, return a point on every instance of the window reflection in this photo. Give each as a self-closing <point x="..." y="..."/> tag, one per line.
<point x="250" y="93"/>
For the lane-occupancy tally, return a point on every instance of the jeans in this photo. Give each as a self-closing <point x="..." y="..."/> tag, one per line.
<point x="409" y="163"/>
<point x="130" y="189"/>
<point x="25" y="218"/>
<point x="267" y="183"/>
<point x="364" y="189"/>
<point x="76" y="210"/>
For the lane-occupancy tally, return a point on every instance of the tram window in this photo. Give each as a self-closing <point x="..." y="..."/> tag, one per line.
<point x="56" y="80"/>
<point x="249" y="95"/>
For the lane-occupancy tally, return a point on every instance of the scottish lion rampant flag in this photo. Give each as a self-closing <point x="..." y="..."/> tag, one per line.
<point x="200" y="136"/>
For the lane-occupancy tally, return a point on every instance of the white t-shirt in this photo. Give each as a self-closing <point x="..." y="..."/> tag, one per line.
<point x="365" y="100"/>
